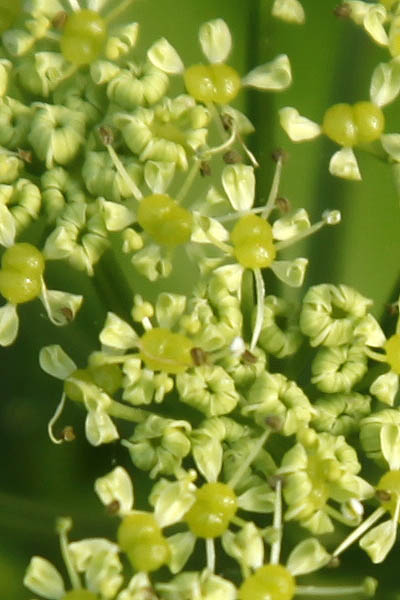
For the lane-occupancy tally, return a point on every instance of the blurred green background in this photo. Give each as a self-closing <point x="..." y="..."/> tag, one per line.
<point x="332" y="61"/>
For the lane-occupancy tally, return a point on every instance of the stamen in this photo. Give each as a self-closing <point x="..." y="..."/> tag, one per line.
<point x="210" y="551"/>
<point x="273" y="194"/>
<point x="251" y="456"/>
<point x="328" y="218"/>
<point x="354" y="535"/>
<point x="136" y="193"/>
<point x="277" y="524"/>
<point x="63" y="526"/>
<point x="54" y="418"/>
<point x="260" y="295"/>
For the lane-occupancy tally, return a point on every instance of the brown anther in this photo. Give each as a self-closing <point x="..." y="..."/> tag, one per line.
<point x="205" y="169"/>
<point x="343" y="11"/>
<point x="232" y="157"/>
<point x="59" y="19"/>
<point x="25" y="155"/>
<point x="334" y="563"/>
<point x="283" y="204"/>
<point x="68" y="434"/>
<point x="279" y="154"/>
<point x="199" y="357"/>
<point x="393" y="309"/>
<point x="275" y="422"/>
<point x="67" y="312"/>
<point x="383" y="495"/>
<point x="227" y="121"/>
<point x="113" y="508"/>
<point x="106" y="135"/>
<point x="248" y="357"/>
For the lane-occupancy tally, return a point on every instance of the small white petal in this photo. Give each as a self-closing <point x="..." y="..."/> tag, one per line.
<point x="116" y="485"/>
<point x="44" y="579"/>
<point x="290" y="272"/>
<point x="215" y="40"/>
<point x="239" y="184"/>
<point x="274" y="76"/>
<point x="7" y="227"/>
<point x="164" y="56"/>
<point x="385" y="83"/>
<point x="391" y="144"/>
<point x="344" y="164"/>
<point x="297" y="127"/>
<point x="9" y="323"/>
<point x="390" y="445"/>
<point x="373" y="24"/>
<point x="99" y="428"/>
<point x="289" y="10"/>
<point x="54" y="361"/>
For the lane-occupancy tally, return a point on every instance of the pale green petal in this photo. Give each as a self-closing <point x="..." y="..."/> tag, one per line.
<point x="172" y="499"/>
<point x="116" y="486"/>
<point x="289" y="10"/>
<point x="297" y="127"/>
<point x="181" y="546"/>
<point x="274" y="76"/>
<point x="390" y="444"/>
<point x="207" y="454"/>
<point x="239" y="185"/>
<point x="373" y="24"/>
<point x="385" y="387"/>
<point x="379" y="540"/>
<point x="391" y="141"/>
<point x="61" y="307"/>
<point x="385" y="83"/>
<point x="44" y="579"/>
<point x="116" y="216"/>
<point x="291" y="272"/>
<point x="206" y="229"/>
<point x="7" y="227"/>
<point x="9" y="324"/>
<point x="116" y="333"/>
<point x="308" y="556"/>
<point x="158" y="175"/>
<point x="169" y="308"/>
<point x="215" y="40"/>
<point x="246" y="546"/>
<point x="291" y="225"/>
<point x="99" y="428"/>
<point x="165" y="57"/>
<point x="344" y="164"/>
<point x="54" y="361"/>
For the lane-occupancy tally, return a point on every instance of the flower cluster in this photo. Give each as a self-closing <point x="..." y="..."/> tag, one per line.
<point x="107" y="152"/>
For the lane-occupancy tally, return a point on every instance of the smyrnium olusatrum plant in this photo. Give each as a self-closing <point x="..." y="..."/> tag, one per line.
<point x="98" y="150"/>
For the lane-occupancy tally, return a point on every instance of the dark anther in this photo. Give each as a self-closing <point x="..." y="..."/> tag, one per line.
<point x="334" y="563"/>
<point x="283" y="204"/>
<point x="393" y="309"/>
<point x="383" y="495"/>
<point x="232" y="157"/>
<point x="199" y="357"/>
<point x="205" y="169"/>
<point x="343" y="11"/>
<point x="106" y="135"/>
<point x="275" y="422"/>
<point x="67" y="312"/>
<point x="113" y="508"/>
<point x="248" y="357"/>
<point x="59" y="19"/>
<point x="68" y="434"/>
<point x="227" y="121"/>
<point x="279" y="154"/>
<point x="25" y="155"/>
